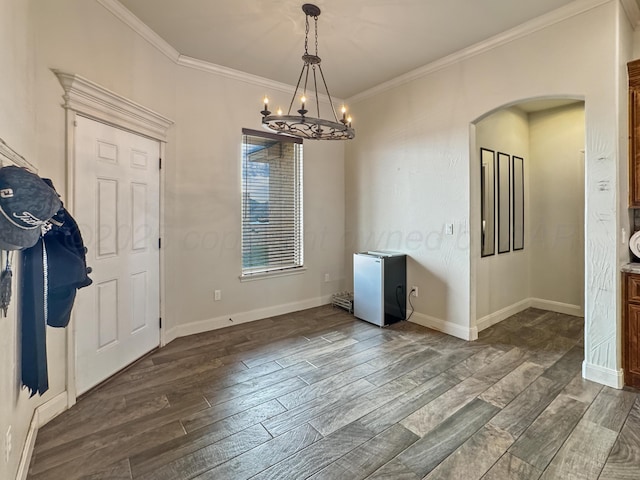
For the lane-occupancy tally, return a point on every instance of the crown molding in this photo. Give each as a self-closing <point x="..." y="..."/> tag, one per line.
<point x="227" y="72"/>
<point x="632" y="10"/>
<point x="92" y="100"/>
<point x="138" y="26"/>
<point x="127" y="17"/>
<point x="563" y="13"/>
<point x="241" y="76"/>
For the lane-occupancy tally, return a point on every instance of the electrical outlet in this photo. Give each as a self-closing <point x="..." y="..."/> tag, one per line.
<point x="7" y="445"/>
<point x="414" y="291"/>
<point x="327" y="277"/>
<point x="217" y="295"/>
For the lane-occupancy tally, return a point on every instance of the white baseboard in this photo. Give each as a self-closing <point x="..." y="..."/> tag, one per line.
<point x="559" y="307"/>
<point x="243" y="317"/>
<point x="444" y="326"/>
<point x="605" y="376"/>
<point x="27" y="450"/>
<point x="503" y="314"/>
<point x="550" y="305"/>
<point x="41" y="416"/>
<point x="51" y="409"/>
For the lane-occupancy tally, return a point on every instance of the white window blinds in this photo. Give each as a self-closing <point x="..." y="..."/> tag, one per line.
<point x="272" y="220"/>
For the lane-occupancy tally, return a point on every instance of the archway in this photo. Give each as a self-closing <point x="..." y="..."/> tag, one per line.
<point x="527" y="209"/>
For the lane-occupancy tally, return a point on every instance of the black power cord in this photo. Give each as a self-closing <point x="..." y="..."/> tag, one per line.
<point x="413" y="309"/>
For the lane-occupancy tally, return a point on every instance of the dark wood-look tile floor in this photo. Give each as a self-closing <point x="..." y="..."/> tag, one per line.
<point x="317" y="394"/>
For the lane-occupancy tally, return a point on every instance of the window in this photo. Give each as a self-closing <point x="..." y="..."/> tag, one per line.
<point x="272" y="224"/>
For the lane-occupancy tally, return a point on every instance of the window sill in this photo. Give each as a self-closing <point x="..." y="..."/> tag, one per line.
<point x="281" y="273"/>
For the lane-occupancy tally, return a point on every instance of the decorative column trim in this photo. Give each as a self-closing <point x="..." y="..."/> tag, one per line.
<point x="94" y="101"/>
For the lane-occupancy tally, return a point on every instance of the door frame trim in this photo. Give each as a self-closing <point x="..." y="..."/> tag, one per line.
<point x="88" y="99"/>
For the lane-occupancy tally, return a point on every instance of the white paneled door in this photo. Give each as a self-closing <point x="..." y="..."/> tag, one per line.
<point x="117" y="208"/>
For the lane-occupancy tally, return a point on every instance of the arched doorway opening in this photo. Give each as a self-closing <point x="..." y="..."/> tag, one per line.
<point x="528" y="209"/>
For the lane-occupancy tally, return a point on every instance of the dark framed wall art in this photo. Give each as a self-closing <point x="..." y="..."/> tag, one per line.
<point x="487" y="202"/>
<point x="504" y="202"/>
<point x="517" y="164"/>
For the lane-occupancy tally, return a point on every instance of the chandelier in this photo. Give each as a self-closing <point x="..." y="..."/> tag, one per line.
<point x="301" y="125"/>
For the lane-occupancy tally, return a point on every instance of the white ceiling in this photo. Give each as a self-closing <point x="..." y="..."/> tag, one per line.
<point x="362" y="43"/>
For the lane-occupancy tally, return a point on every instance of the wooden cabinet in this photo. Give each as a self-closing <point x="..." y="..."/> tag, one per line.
<point x="633" y="69"/>
<point x="631" y="329"/>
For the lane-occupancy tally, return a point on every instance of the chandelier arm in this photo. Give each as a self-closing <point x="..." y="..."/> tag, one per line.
<point x="328" y="94"/>
<point x="295" y="93"/>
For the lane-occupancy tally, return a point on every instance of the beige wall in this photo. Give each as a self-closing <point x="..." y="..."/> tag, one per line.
<point x="549" y="272"/>
<point x="410" y="170"/>
<point x="17" y="122"/>
<point x="502" y="279"/>
<point x="201" y="169"/>
<point x="79" y="37"/>
<point x="556" y="205"/>
<point x="205" y="239"/>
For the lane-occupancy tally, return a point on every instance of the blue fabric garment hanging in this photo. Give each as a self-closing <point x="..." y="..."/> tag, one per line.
<point x="33" y="320"/>
<point x="52" y="271"/>
<point x="68" y="270"/>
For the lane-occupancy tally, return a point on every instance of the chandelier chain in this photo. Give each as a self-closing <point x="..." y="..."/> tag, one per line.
<point x="306" y="35"/>
<point x="316" y="30"/>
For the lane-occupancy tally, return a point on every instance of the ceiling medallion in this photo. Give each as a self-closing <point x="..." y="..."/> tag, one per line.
<point x="301" y="125"/>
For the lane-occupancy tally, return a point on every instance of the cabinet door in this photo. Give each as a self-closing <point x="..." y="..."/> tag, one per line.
<point x="631" y="345"/>
<point x="633" y="288"/>
<point x="634" y="147"/>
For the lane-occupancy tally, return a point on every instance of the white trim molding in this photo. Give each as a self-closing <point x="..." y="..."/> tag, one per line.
<point x="125" y="15"/>
<point x="502" y="314"/>
<point x="605" y="376"/>
<point x="444" y="326"/>
<point x="559" y="307"/>
<point x="243" y="317"/>
<point x="41" y="416"/>
<point x="51" y="409"/>
<point x="241" y="76"/>
<point x="563" y="13"/>
<point x="632" y="10"/>
<point x="138" y="26"/>
<point x="572" y="9"/>
<point x="549" y="305"/>
<point x="27" y="449"/>
<point x="94" y="101"/>
<point x="88" y="99"/>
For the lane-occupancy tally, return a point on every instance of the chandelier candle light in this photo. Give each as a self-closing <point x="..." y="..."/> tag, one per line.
<point x="301" y="125"/>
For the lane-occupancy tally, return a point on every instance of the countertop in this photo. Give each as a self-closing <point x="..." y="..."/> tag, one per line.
<point x="633" y="267"/>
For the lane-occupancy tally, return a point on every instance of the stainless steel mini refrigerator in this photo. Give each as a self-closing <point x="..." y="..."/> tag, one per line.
<point x="379" y="286"/>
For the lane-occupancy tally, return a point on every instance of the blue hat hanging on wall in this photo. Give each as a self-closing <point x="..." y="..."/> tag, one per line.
<point x="27" y="203"/>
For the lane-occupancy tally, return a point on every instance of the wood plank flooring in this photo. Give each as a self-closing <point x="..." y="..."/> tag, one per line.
<point x="318" y="394"/>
